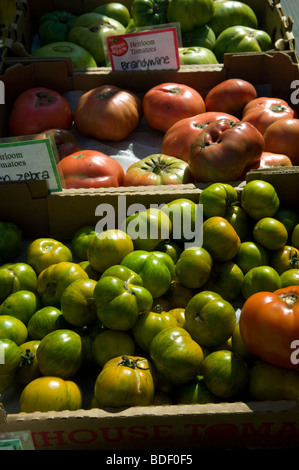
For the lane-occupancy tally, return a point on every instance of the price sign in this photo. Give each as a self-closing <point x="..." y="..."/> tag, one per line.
<point x="156" y="49"/>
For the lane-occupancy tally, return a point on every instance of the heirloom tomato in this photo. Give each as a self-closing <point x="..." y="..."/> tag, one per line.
<point x="286" y="257"/>
<point x="259" y="199"/>
<point x="196" y="55"/>
<point x="295" y="236"/>
<point x="260" y="278"/>
<point x="123" y="273"/>
<point x="115" y="10"/>
<point x="210" y="320"/>
<point x="223" y="149"/>
<point x="270" y="233"/>
<point x="12" y="328"/>
<point x="176" y="356"/>
<point x="107" y="113"/>
<point x="80" y="57"/>
<point x="282" y="137"/>
<point x="90" y="169"/>
<point x="288" y="216"/>
<point x="263" y="111"/>
<point x="194" y="267"/>
<point x="10" y="241"/>
<point x="172" y="248"/>
<point x="28" y="369"/>
<point x="80" y="241"/>
<point x="167" y="103"/>
<point x="147" y="228"/>
<point x="230" y="96"/>
<point x="179" y="315"/>
<point x="268" y="160"/>
<point x="149" y="12"/>
<point x="251" y="255"/>
<point x="195" y="391"/>
<point x="241" y="39"/>
<point x="225" y="373"/>
<point x="200" y="37"/>
<point x="290" y="277"/>
<point x="269" y="382"/>
<point x="178" y="139"/>
<point x="42" y="252"/>
<point x="55" y="25"/>
<point x="226" y="279"/>
<point x="65" y="141"/>
<point x="45" y="320"/>
<point x="269" y="326"/>
<point x="148" y="325"/>
<point x="185" y="217"/>
<point x="53" y="280"/>
<point x="238" y="218"/>
<point x="108" y="247"/>
<point x="220" y="239"/>
<point x="217" y="198"/>
<point x="232" y="13"/>
<point x="157" y="169"/>
<point x="15" y="277"/>
<point x="10" y="356"/>
<point x="112" y="343"/>
<point x="77" y="303"/>
<point x="118" y="303"/>
<point x="178" y="295"/>
<point x="60" y="353"/>
<point x="157" y="269"/>
<point x="125" y="381"/>
<point x="50" y="394"/>
<point x="21" y="304"/>
<point x="38" y="109"/>
<point x="191" y="15"/>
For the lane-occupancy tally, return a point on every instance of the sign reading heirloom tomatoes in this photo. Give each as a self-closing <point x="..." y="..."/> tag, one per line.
<point x="29" y="160"/>
<point x="156" y="49"/>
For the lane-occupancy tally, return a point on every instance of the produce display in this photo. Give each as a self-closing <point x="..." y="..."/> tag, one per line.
<point x="209" y="29"/>
<point x="149" y="320"/>
<point x="207" y="136"/>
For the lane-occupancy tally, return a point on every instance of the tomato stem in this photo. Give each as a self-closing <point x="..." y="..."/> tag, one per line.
<point x="129" y="362"/>
<point x="289" y="298"/>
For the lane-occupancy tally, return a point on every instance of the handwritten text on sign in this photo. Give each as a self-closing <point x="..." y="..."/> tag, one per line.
<point x="146" y="50"/>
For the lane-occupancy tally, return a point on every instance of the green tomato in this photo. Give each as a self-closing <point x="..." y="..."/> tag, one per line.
<point x="148" y="325"/>
<point x="28" y="369"/>
<point x="226" y="279"/>
<point x="195" y="391"/>
<point x="44" y="321"/>
<point x="15" y="277"/>
<point x="259" y="199"/>
<point x="12" y="328"/>
<point x="232" y="13"/>
<point x="90" y="31"/>
<point x="210" y="319"/>
<point x="270" y="233"/>
<point x="115" y="10"/>
<point x="192" y="14"/>
<point x="10" y="241"/>
<point x="217" y="198"/>
<point x="261" y="278"/>
<point x="290" y="277"/>
<point x="119" y="303"/>
<point x="196" y="55"/>
<point x="184" y="217"/>
<point x="194" y="267"/>
<point x="241" y="39"/>
<point x="80" y="241"/>
<point x="21" y="304"/>
<point x="250" y="255"/>
<point x="55" y="26"/>
<point x="201" y="37"/>
<point x="123" y="273"/>
<point x="289" y="217"/>
<point x="77" y="303"/>
<point x="11" y="355"/>
<point x="149" y="12"/>
<point x="80" y="57"/>
<point x="156" y="269"/>
<point x="42" y="252"/>
<point x="112" y="343"/>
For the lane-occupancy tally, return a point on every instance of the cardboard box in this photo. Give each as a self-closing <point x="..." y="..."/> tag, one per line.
<point x="239" y="425"/>
<point x="20" y="34"/>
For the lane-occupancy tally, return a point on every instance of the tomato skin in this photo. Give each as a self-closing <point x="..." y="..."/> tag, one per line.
<point x="218" y="155"/>
<point x="269" y="160"/>
<point x="60" y="353"/>
<point x="259" y="199"/>
<point x="80" y="241"/>
<point x="262" y="111"/>
<point x="194" y="14"/>
<point x="194" y="267"/>
<point x="45" y="320"/>
<point x="176" y="356"/>
<point x="148" y="325"/>
<point x="260" y="278"/>
<point x="220" y="239"/>
<point x="42" y="252"/>
<point x="232" y="13"/>
<point x="195" y="392"/>
<point x="107" y="113"/>
<point x="178" y="139"/>
<point x="156" y="169"/>
<point x="50" y="394"/>
<point x="226" y="279"/>
<point x="217" y="198"/>
<point x="12" y="356"/>
<point x="112" y="343"/>
<point x="290" y="277"/>
<point x="268" y="325"/>
<point x="167" y="103"/>
<point x="282" y="137"/>
<point x="15" y="277"/>
<point x="108" y="248"/>
<point x="250" y="255"/>
<point x="90" y="169"/>
<point x="12" y="328"/>
<point x="125" y="381"/>
<point x="270" y="233"/>
<point x="65" y="141"/>
<point x="29" y="369"/>
<point x="77" y="303"/>
<point x="38" y="109"/>
<point x="285" y="258"/>
<point x="21" y="304"/>
<point x="149" y="12"/>
<point x="230" y="96"/>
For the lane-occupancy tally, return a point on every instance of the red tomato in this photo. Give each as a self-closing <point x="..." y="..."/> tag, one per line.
<point x="178" y="139"/>
<point x="65" y="141"/>
<point x="107" y="112"/>
<point x="268" y="160"/>
<point x="165" y="104"/>
<point x="223" y="150"/>
<point x="282" y="136"/>
<point x="38" y="109"/>
<point x="90" y="169"/>
<point x="269" y="323"/>
<point x="230" y="96"/>
<point x="261" y="112"/>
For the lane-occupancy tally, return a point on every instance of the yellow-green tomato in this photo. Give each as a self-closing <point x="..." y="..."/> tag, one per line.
<point x="78" y="304"/>
<point x="43" y="252"/>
